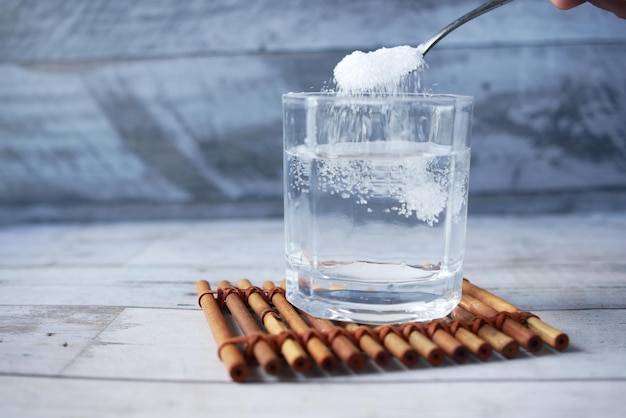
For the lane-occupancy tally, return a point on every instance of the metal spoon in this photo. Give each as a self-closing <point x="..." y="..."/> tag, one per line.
<point x="484" y="8"/>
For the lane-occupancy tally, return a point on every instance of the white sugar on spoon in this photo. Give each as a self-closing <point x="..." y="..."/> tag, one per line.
<point x="380" y="70"/>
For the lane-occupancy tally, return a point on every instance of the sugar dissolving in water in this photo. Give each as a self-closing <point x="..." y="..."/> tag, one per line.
<point x="376" y="226"/>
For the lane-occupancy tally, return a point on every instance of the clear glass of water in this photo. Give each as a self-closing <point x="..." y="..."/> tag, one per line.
<point x="375" y="204"/>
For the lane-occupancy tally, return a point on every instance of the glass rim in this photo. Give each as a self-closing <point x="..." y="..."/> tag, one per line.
<point x="370" y="97"/>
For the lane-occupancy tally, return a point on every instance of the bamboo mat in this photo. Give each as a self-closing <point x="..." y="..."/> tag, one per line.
<point x="274" y="334"/>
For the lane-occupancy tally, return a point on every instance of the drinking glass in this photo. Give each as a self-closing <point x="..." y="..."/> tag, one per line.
<point x="375" y="195"/>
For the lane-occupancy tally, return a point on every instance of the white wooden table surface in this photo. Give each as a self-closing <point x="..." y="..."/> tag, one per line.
<point x="101" y="320"/>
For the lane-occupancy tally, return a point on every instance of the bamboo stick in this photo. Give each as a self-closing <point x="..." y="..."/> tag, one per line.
<point x="342" y="346"/>
<point x="550" y="335"/>
<point x="293" y="352"/>
<point x="450" y="345"/>
<point x="521" y="334"/>
<point x="262" y="350"/>
<point x="501" y="342"/>
<point x="422" y="344"/>
<point x="368" y="344"/>
<point x="476" y="345"/>
<point x="228" y="353"/>
<point x="316" y="347"/>
<point x="397" y="345"/>
<point x="479" y="347"/>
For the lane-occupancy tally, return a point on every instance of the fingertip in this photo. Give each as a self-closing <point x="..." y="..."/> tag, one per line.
<point x="567" y="4"/>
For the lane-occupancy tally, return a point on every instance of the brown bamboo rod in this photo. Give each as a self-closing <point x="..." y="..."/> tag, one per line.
<point x="401" y="349"/>
<point x="450" y="345"/>
<point x="262" y="350"/>
<point x="342" y="346"/>
<point x="293" y="352"/>
<point x="521" y="334"/>
<point x="397" y="345"/>
<point x="501" y="342"/>
<point x="317" y="348"/>
<point x="229" y="353"/>
<point x="550" y="335"/>
<point x="476" y="345"/>
<point x="368" y="344"/>
<point x="423" y="345"/>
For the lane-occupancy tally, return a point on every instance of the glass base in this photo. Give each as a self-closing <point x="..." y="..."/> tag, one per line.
<point x="413" y="302"/>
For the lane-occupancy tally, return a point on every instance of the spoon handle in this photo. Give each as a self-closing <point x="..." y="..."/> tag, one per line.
<point x="484" y="8"/>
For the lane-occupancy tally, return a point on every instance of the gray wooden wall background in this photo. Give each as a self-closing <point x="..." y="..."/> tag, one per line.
<point x="116" y="109"/>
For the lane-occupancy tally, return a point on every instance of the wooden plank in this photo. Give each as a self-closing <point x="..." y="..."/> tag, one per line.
<point x="164" y="132"/>
<point x="151" y="344"/>
<point x="112" y="106"/>
<point x="538" y="287"/>
<point x="536" y="126"/>
<point x="62" y="30"/>
<point x="132" y="350"/>
<point x="547" y="240"/>
<point x="186" y="146"/>
<point x="175" y="243"/>
<point x="44" y="340"/>
<point x="176" y="345"/>
<point x="537" y="263"/>
<point x="36" y="397"/>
